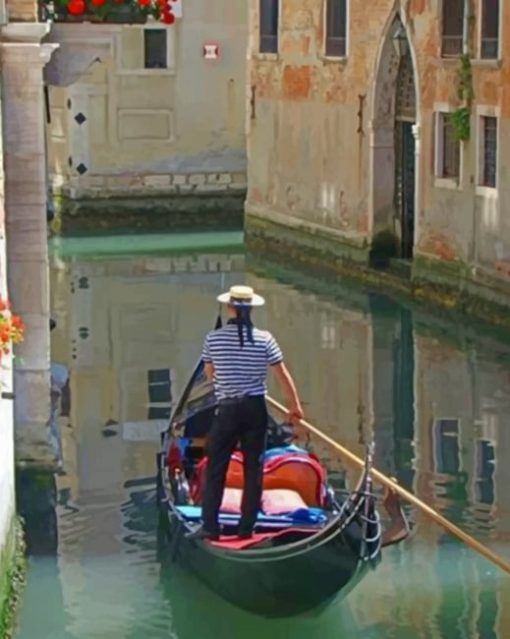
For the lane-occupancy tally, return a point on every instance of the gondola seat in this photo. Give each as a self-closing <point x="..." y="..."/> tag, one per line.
<point x="309" y="517"/>
<point x="275" y="501"/>
<point x="292" y="479"/>
<point x="299" y="473"/>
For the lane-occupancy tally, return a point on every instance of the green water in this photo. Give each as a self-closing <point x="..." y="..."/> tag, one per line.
<point x="433" y="393"/>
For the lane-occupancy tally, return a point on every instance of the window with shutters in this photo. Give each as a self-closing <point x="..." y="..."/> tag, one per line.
<point x="155" y="48"/>
<point x="336" y="28"/>
<point x="447" y="149"/>
<point x="489" y="151"/>
<point x="269" y="10"/>
<point x="452" y="28"/>
<point x="489" y="46"/>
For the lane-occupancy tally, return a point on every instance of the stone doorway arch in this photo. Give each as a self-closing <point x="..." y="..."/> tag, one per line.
<point x="394" y="139"/>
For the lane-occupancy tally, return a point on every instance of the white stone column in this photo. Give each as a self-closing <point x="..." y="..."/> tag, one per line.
<point x="22" y="59"/>
<point x="417" y="184"/>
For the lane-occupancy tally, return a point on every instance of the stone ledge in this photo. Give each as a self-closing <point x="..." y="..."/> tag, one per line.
<point x="160" y="185"/>
<point x="212" y="211"/>
<point x="448" y="286"/>
<point x="314" y="236"/>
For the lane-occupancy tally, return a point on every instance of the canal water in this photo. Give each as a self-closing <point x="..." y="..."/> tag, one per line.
<point x="432" y="393"/>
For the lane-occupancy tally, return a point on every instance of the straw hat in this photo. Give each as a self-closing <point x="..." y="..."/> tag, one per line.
<point x="241" y="296"/>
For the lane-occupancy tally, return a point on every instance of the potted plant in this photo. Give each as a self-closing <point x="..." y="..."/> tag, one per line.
<point x="108" y="11"/>
<point x="384" y="247"/>
<point x="12" y="329"/>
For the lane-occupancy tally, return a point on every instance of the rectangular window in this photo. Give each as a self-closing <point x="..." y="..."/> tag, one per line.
<point x="155" y="49"/>
<point x="446" y="446"/>
<point x="269" y="10"/>
<point x="486" y="463"/>
<point x="489" y="152"/>
<point x="160" y="385"/>
<point x="160" y="393"/>
<point x="448" y="151"/>
<point x="453" y="28"/>
<point x="336" y="28"/>
<point x="490" y="30"/>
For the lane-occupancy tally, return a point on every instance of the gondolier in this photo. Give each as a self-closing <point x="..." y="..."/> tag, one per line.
<point x="237" y="358"/>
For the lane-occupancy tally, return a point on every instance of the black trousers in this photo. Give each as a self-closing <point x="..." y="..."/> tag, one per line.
<point x="242" y="420"/>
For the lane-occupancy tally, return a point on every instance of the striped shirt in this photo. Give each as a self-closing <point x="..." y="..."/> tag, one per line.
<point x="240" y="371"/>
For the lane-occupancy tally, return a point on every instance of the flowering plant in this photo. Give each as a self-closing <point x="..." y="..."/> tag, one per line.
<point x="12" y="329"/>
<point x="103" y="9"/>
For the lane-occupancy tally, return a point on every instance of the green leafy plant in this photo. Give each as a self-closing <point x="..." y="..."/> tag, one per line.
<point x="113" y="10"/>
<point x="460" y="119"/>
<point x="385" y="246"/>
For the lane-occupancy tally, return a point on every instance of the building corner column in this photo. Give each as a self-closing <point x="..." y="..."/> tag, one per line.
<point x="417" y="186"/>
<point x="23" y="57"/>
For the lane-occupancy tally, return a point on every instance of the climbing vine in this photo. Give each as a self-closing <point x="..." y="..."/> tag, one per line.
<point x="460" y="119"/>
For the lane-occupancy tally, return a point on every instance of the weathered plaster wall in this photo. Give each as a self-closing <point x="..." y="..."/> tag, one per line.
<point x="306" y="158"/>
<point x="316" y="156"/>
<point x="464" y="223"/>
<point x="177" y="130"/>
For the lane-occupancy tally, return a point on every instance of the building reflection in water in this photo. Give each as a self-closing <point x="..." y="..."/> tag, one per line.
<point x="433" y="396"/>
<point x="436" y="398"/>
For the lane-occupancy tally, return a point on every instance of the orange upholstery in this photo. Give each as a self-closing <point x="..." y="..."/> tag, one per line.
<point x="291" y="475"/>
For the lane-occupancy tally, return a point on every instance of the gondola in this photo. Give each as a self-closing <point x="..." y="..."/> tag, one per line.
<point x="309" y="548"/>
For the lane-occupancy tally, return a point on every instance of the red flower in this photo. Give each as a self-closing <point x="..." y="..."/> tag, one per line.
<point x="76" y="7"/>
<point x="98" y="3"/>
<point x="17" y="322"/>
<point x="144" y="3"/>
<point x="168" y="17"/>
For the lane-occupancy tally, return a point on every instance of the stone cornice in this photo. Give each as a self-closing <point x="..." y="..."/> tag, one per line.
<point x="24" y="32"/>
<point x="28" y="51"/>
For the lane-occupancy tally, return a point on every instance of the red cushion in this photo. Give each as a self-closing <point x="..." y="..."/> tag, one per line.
<point x="279" y="501"/>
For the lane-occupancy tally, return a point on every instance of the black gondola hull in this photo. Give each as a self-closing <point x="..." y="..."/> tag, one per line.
<point x="275" y="583"/>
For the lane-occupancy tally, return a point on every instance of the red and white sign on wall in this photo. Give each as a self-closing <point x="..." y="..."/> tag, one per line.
<point x="176" y="7"/>
<point x="211" y="51"/>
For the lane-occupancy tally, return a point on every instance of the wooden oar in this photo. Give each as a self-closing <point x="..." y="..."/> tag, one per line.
<point x="409" y="497"/>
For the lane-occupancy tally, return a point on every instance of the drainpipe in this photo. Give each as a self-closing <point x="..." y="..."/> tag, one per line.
<point x="465" y="49"/>
<point x="465" y="30"/>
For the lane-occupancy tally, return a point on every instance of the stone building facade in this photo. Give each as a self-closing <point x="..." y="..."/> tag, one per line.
<point x="392" y="119"/>
<point x="150" y="109"/>
<point x="7" y="497"/>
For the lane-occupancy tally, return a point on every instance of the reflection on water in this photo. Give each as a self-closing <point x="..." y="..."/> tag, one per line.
<point x="434" y="396"/>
